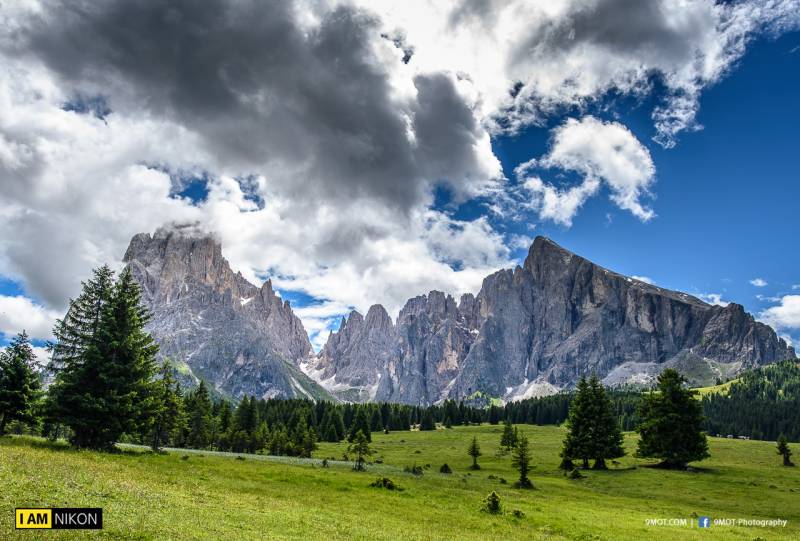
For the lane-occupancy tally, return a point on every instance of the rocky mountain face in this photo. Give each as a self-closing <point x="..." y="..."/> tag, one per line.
<point x="530" y="331"/>
<point x="214" y="324"/>
<point x="536" y="329"/>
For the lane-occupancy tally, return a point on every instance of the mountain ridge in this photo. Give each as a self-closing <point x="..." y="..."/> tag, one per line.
<point x="530" y="330"/>
<point x="537" y="327"/>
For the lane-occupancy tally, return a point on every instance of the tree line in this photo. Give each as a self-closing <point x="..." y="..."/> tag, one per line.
<point x="761" y="404"/>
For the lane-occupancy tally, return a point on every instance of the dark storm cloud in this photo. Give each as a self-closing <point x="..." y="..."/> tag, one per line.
<point x="622" y="26"/>
<point x="262" y="90"/>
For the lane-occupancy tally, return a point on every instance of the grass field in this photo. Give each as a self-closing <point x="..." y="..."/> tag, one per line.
<point x="721" y="388"/>
<point x="151" y="496"/>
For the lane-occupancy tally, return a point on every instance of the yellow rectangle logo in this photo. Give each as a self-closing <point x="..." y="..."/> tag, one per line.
<point x="34" y="518"/>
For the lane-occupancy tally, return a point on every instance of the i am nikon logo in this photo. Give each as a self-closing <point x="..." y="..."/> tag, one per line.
<point x="67" y="518"/>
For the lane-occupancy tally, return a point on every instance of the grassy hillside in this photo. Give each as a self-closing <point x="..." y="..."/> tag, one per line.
<point x="149" y="496"/>
<point x="722" y="388"/>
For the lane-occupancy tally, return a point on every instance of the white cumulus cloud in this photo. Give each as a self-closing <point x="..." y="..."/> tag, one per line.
<point x="19" y="314"/>
<point x="785" y="315"/>
<point x="600" y="152"/>
<point x="758" y="282"/>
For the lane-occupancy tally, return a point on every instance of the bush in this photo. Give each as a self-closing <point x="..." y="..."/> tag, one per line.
<point x="324" y="462"/>
<point x="517" y="513"/>
<point x="492" y="503"/>
<point x="445" y="469"/>
<point x="384" y="482"/>
<point x="416" y="470"/>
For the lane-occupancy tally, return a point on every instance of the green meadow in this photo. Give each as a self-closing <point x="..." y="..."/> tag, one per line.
<point x="202" y="495"/>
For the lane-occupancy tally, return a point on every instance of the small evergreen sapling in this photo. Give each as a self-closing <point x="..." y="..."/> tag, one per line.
<point x="474" y="451"/>
<point x="359" y="447"/>
<point x="784" y="451"/>
<point x="521" y="460"/>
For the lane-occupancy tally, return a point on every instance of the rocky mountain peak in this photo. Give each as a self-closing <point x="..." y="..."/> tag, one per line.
<point x="240" y="338"/>
<point x="378" y="318"/>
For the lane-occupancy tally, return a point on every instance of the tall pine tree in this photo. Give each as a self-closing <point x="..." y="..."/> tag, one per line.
<point x="360" y="424"/>
<point x="577" y="444"/>
<point x="104" y="384"/>
<point x="169" y="417"/>
<point x="19" y="383"/>
<point x="606" y="440"/>
<point x="672" y="421"/>
<point x="79" y="327"/>
<point x="198" y="409"/>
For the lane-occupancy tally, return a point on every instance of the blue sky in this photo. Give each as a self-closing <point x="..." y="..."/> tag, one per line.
<point x="726" y="196"/>
<point x="376" y="157"/>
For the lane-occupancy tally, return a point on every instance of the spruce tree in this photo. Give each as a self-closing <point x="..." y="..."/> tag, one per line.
<point x="474" y="450"/>
<point x="360" y="447"/>
<point x="106" y="388"/>
<point x="784" y="451"/>
<point x="198" y="406"/>
<point x="245" y="418"/>
<point x="577" y="443"/>
<point x="606" y="436"/>
<point x="338" y="424"/>
<point x="376" y="421"/>
<point x="427" y="422"/>
<point x="509" y="438"/>
<point x="309" y="443"/>
<point x="521" y="460"/>
<point x="260" y="437"/>
<point x="19" y="383"/>
<point x="360" y="424"/>
<point x="169" y="415"/>
<point x="672" y="421"/>
<point x="224" y="426"/>
<point x="78" y="329"/>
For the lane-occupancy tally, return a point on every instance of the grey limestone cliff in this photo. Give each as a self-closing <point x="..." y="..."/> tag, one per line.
<point x="537" y="328"/>
<point x="239" y="338"/>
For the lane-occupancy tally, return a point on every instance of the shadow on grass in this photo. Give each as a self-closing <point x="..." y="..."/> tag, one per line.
<point x="34" y="441"/>
<point x="37" y="442"/>
<point x="688" y="469"/>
